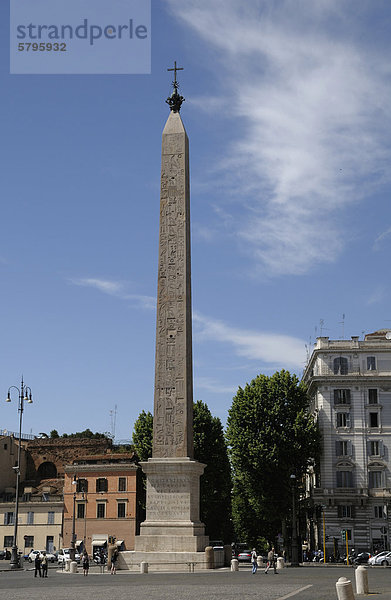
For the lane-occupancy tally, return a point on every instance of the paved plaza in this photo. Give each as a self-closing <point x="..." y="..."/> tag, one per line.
<point x="305" y="583"/>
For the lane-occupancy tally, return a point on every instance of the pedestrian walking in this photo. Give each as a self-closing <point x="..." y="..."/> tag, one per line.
<point x="114" y="561"/>
<point x="44" y="564"/>
<point x="85" y="563"/>
<point x="37" y="565"/>
<point x="254" y="560"/>
<point x="271" y="562"/>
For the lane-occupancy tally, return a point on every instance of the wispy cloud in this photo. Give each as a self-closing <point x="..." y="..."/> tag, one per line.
<point x="270" y="348"/>
<point x="117" y="289"/>
<point x="379" y="294"/>
<point x="312" y="100"/>
<point x="212" y="385"/>
<point x="380" y="238"/>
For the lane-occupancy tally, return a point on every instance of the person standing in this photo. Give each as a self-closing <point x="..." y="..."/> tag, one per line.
<point x="254" y="560"/>
<point x="37" y="565"/>
<point x="44" y="564"/>
<point x="114" y="561"/>
<point x="85" y="563"/>
<point x="271" y="561"/>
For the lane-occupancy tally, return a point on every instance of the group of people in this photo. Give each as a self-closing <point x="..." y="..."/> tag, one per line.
<point x="41" y="565"/>
<point x="271" y="561"/>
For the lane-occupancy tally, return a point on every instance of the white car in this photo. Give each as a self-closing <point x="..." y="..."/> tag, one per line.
<point x="383" y="558"/>
<point x="64" y="554"/>
<point x="51" y="557"/>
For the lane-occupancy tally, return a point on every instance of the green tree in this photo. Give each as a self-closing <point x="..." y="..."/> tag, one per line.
<point x="54" y="434"/>
<point x="210" y="449"/>
<point x="271" y="436"/>
<point x="142" y="435"/>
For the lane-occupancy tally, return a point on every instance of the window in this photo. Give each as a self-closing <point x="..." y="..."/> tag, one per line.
<point x="81" y="510"/>
<point x="340" y="366"/>
<point x="45" y="497"/>
<point x="380" y="511"/>
<point x="122" y="484"/>
<point x="51" y="517"/>
<point x="82" y="485"/>
<point x="49" y="543"/>
<point x="8" y="518"/>
<point x="8" y="541"/>
<point x="30" y="518"/>
<point x="371" y="363"/>
<point x="29" y="541"/>
<point x="343" y="419"/>
<point x="375" y="479"/>
<point x="101" y="484"/>
<point x="345" y="512"/>
<point x="374" y="448"/>
<point x="341" y="396"/>
<point x="372" y="396"/>
<point x="373" y="419"/>
<point x="26" y="497"/>
<point x="344" y="479"/>
<point x="342" y="448"/>
<point x="100" y="510"/>
<point x="121" y="510"/>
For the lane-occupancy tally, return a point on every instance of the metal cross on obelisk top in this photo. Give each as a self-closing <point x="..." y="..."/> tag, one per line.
<point x="175" y="69"/>
<point x="175" y="100"/>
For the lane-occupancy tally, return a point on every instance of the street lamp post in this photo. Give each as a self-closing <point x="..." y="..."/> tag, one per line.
<point x="25" y="395"/>
<point x="72" y="550"/>
<point x="295" y="549"/>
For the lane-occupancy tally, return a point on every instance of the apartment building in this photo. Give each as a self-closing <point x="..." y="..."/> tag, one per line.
<point x="349" y="382"/>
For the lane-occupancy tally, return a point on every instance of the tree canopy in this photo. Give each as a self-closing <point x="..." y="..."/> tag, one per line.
<point x="271" y="436"/>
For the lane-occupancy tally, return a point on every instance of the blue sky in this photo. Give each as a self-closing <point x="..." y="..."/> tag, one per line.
<point x="288" y="114"/>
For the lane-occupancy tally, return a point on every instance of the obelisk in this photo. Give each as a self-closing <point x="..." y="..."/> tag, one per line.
<point x="172" y="508"/>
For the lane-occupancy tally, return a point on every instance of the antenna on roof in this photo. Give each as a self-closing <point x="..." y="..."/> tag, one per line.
<point x="113" y="419"/>
<point x="343" y="326"/>
<point x="321" y="323"/>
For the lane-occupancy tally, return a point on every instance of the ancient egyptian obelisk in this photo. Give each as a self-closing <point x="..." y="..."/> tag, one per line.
<point x="172" y="522"/>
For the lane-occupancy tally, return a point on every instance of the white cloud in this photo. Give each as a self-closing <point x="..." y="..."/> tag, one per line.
<point x="211" y="385"/>
<point x="312" y="100"/>
<point x="378" y="295"/>
<point x="283" y="351"/>
<point x="117" y="289"/>
<point x="380" y="238"/>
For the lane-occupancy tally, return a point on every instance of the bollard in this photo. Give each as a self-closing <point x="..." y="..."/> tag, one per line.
<point x="73" y="566"/>
<point x="259" y="561"/>
<point x="234" y="564"/>
<point x="344" y="589"/>
<point x="362" y="580"/>
<point x="209" y="557"/>
<point x="280" y="563"/>
<point x="143" y="567"/>
<point x="67" y="562"/>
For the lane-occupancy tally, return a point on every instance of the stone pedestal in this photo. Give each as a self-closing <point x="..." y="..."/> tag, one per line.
<point x="172" y="513"/>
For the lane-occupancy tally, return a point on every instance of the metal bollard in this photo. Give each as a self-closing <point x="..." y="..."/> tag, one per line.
<point x="280" y="563"/>
<point x="143" y="567"/>
<point x="362" y="580"/>
<point x="344" y="589"/>
<point x="234" y="564"/>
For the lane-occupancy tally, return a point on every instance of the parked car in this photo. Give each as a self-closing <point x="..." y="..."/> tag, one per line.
<point x="383" y="558"/>
<point x="64" y="554"/>
<point x="51" y="557"/>
<point x="217" y="545"/>
<point x="244" y="556"/>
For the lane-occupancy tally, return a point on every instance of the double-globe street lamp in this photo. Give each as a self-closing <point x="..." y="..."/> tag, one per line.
<point x="295" y="548"/>
<point x="25" y="395"/>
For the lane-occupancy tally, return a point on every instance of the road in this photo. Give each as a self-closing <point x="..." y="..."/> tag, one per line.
<point x="305" y="583"/>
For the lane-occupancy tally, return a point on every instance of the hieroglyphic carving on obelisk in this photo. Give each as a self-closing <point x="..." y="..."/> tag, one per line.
<point x="173" y="399"/>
